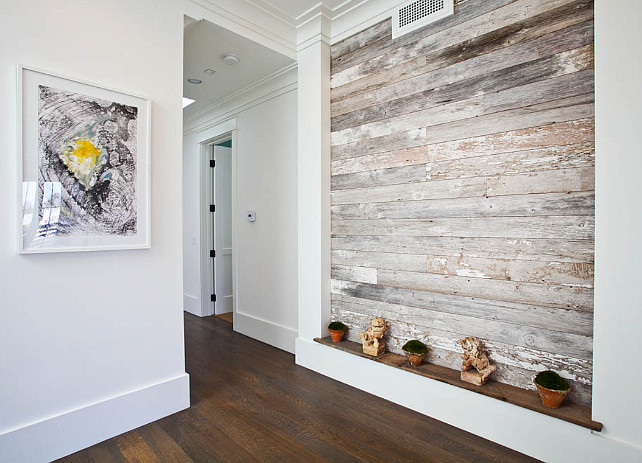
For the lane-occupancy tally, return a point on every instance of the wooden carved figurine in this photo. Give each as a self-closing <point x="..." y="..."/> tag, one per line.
<point x="475" y="357"/>
<point x="372" y="338"/>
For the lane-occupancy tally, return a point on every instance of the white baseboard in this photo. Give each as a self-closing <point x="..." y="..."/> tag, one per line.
<point x="60" y="435"/>
<point x="267" y="332"/>
<point x="224" y="305"/>
<point x="192" y="305"/>
<point x="501" y="422"/>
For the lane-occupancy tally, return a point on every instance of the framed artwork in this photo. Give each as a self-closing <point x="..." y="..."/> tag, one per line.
<point x="85" y="155"/>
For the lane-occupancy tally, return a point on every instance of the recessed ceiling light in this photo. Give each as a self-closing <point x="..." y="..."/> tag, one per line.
<point x="209" y="72"/>
<point x="230" y="58"/>
<point x="187" y="102"/>
<point x="191" y="80"/>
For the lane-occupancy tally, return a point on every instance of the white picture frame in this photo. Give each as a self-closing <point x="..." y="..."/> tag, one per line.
<point x="84" y="167"/>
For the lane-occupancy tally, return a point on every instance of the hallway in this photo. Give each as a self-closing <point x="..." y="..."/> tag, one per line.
<point x="250" y="402"/>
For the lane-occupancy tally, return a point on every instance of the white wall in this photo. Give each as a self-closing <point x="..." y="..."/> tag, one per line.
<point x="617" y="402"/>
<point x="618" y="214"/>
<point x="266" y="261"/>
<point x="91" y="343"/>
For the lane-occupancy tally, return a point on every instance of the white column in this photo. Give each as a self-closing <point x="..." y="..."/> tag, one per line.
<point x="313" y="57"/>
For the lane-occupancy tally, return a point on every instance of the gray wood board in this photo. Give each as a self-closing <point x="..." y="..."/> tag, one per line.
<point x="555" y="250"/>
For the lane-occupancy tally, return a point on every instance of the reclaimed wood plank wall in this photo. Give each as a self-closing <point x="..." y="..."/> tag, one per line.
<point x="463" y="185"/>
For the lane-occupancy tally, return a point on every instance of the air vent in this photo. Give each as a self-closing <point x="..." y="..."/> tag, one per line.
<point x="417" y="13"/>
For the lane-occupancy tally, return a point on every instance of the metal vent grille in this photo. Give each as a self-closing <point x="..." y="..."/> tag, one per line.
<point x="417" y="13"/>
<point x="418" y="10"/>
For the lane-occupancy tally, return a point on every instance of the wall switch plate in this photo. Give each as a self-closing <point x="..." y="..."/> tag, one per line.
<point x="251" y="216"/>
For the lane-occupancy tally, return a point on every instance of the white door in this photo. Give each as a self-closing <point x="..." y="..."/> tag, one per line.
<point x="222" y="227"/>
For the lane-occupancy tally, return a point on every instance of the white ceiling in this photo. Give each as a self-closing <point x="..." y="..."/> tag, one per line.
<point x="205" y="44"/>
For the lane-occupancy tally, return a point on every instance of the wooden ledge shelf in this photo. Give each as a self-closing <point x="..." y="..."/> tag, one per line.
<point x="569" y="411"/>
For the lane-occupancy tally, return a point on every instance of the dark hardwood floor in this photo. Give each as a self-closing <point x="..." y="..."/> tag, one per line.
<point x="250" y="402"/>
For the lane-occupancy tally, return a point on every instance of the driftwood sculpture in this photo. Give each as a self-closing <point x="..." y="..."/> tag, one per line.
<point x="475" y="357"/>
<point x="372" y="338"/>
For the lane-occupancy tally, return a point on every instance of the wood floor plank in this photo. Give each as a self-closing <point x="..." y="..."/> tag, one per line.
<point x="135" y="449"/>
<point x="251" y="402"/>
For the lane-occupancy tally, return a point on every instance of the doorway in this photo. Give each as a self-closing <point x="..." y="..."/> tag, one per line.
<point x="220" y="275"/>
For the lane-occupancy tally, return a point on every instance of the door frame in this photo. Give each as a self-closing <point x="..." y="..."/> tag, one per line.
<point x="221" y="132"/>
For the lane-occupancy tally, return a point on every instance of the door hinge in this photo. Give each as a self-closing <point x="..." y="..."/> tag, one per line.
<point x="212" y="207"/>
<point x="213" y="298"/>
<point x="212" y="163"/>
<point x="212" y="253"/>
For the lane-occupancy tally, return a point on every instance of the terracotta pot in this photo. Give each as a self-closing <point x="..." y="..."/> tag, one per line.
<point x="415" y="359"/>
<point x="550" y="397"/>
<point x="337" y="335"/>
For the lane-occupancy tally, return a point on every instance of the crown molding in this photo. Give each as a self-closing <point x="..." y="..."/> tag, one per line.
<point x="269" y="87"/>
<point x="285" y="33"/>
<point x="249" y="20"/>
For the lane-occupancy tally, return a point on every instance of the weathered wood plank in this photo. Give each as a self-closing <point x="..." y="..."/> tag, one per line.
<point x="567" y="109"/>
<point x="458" y="188"/>
<point x="554" y="181"/>
<point x="557" y="204"/>
<point x="437" y="115"/>
<point x="465" y="163"/>
<point x="565" y="297"/>
<point x="557" y="71"/>
<point x="353" y="188"/>
<point x="396" y="176"/>
<point x="565" y="86"/>
<point x="353" y="43"/>
<point x="557" y="250"/>
<point x="397" y="158"/>
<point x="383" y="260"/>
<point x="537" y="316"/>
<point x="456" y="325"/>
<point x="547" y="272"/>
<point x="500" y="49"/>
<point x="351" y="273"/>
<point x="577" y="132"/>
<point x="496" y="19"/>
<point x="568" y="227"/>
<point x="517" y="162"/>
<point x="395" y="141"/>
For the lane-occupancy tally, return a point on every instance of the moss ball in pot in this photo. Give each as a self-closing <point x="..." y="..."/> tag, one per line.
<point x="416" y="351"/>
<point x="552" y="388"/>
<point x="337" y="330"/>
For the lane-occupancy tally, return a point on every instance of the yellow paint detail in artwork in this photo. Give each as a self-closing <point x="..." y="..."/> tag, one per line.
<point x="83" y="160"/>
<point x="86" y="152"/>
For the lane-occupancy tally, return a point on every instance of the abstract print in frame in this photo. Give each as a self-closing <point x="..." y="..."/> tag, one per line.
<point x="85" y="166"/>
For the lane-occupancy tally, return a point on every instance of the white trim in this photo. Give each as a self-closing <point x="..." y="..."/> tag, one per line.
<point x="235" y="208"/>
<point x="191" y="304"/>
<point x="65" y="433"/>
<point x="316" y="29"/>
<point x="271" y="333"/>
<point x="274" y="11"/>
<point x="518" y="428"/>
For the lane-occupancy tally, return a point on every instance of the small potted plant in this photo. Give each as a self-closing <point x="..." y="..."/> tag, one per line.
<point x="337" y="329"/>
<point x="416" y="351"/>
<point x="552" y="388"/>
